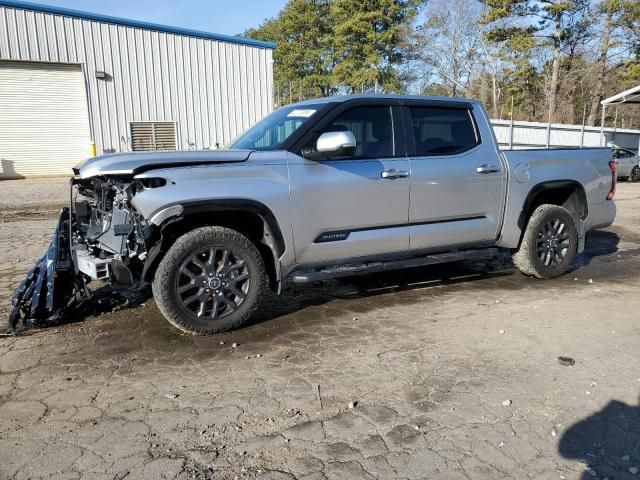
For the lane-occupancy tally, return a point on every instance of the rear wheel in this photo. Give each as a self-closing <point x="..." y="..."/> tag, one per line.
<point x="211" y="280"/>
<point x="635" y="174"/>
<point x="549" y="244"/>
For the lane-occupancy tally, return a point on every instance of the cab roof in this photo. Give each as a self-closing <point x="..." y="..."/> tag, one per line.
<point x="372" y="96"/>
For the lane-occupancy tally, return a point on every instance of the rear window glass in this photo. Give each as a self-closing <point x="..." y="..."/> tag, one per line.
<point x="442" y="131"/>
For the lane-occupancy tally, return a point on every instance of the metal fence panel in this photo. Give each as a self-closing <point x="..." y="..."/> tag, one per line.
<point x="519" y="135"/>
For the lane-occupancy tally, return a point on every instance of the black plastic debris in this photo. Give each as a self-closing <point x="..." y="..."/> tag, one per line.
<point x="52" y="286"/>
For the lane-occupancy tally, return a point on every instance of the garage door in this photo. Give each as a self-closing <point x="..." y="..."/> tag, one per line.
<point x="44" y="122"/>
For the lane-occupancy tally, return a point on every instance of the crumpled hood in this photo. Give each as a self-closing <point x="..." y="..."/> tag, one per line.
<point x="138" y="162"/>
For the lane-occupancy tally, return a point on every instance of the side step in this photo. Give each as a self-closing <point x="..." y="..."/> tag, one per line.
<point x="307" y="276"/>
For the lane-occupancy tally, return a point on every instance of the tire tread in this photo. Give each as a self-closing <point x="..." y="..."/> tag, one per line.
<point x="183" y="246"/>
<point x="524" y="257"/>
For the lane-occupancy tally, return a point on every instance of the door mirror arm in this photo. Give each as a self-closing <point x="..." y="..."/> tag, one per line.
<point x="311" y="154"/>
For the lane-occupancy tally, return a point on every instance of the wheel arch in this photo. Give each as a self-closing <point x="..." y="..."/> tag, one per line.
<point x="249" y="217"/>
<point x="569" y="194"/>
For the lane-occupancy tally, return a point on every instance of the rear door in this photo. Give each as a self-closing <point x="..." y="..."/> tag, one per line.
<point x="457" y="177"/>
<point x="351" y="208"/>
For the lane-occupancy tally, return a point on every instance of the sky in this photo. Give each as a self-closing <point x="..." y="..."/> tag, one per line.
<point x="230" y="17"/>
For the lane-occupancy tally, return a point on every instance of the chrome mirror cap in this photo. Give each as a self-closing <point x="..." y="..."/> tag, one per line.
<point x="334" y="142"/>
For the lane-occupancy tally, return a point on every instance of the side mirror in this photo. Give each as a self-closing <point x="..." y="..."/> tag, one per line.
<point x="332" y="145"/>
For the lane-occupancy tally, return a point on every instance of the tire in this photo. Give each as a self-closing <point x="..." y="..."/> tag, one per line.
<point x="635" y="174"/>
<point x="202" y="290"/>
<point x="547" y="249"/>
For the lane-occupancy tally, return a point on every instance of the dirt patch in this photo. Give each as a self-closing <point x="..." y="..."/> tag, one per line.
<point x="451" y="372"/>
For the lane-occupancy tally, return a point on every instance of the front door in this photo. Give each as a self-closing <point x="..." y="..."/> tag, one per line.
<point x="457" y="178"/>
<point x="343" y="209"/>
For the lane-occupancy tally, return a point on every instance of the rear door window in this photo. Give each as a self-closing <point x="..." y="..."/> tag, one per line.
<point x="442" y="131"/>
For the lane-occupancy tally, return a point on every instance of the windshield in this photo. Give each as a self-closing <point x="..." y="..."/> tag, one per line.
<point x="271" y="132"/>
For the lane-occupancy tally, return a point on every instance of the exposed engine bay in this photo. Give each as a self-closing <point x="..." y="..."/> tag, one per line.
<point x="108" y="237"/>
<point x="100" y="237"/>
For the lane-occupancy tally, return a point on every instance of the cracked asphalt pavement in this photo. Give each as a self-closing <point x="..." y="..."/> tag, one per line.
<point x="447" y="372"/>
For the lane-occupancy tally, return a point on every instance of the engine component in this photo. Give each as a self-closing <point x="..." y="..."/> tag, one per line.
<point x="97" y="268"/>
<point x="121" y="273"/>
<point x="114" y="236"/>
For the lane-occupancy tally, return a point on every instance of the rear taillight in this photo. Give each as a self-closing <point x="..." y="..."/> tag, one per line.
<point x="614" y="180"/>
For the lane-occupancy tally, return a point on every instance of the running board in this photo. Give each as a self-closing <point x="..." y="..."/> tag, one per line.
<point x="307" y="276"/>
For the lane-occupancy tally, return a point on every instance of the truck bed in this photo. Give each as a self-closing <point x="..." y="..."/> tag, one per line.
<point x="587" y="167"/>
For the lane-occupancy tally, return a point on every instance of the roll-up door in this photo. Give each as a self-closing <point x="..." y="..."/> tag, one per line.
<point x="44" y="121"/>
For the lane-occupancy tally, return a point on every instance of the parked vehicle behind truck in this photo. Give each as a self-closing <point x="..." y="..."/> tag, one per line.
<point x="326" y="188"/>
<point x="628" y="164"/>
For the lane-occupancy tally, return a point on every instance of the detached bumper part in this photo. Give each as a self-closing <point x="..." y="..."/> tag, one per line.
<point x="52" y="286"/>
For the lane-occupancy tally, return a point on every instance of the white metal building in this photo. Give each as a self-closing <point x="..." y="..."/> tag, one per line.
<point x="71" y="79"/>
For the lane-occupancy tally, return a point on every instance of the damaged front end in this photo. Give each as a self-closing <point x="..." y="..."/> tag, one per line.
<point x="51" y="285"/>
<point x="99" y="237"/>
<point x="102" y="236"/>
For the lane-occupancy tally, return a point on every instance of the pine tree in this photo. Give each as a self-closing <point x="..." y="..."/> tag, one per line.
<point x="303" y="59"/>
<point x="368" y="42"/>
<point x="630" y="22"/>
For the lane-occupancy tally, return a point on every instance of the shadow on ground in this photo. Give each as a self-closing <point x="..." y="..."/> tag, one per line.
<point x="608" y="442"/>
<point x="296" y="298"/>
<point x="599" y="243"/>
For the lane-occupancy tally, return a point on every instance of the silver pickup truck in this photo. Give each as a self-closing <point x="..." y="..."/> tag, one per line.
<point x="319" y="189"/>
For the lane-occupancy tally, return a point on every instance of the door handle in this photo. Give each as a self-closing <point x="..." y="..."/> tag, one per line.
<point x="486" y="168"/>
<point x="393" y="173"/>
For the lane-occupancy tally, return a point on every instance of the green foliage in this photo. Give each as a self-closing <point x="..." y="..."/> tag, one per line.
<point x="630" y="23"/>
<point x="368" y="42"/>
<point x="326" y="46"/>
<point x="304" y="58"/>
<point x="535" y="23"/>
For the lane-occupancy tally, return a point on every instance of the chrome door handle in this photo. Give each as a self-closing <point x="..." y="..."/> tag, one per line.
<point x="393" y="173"/>
<point x="486" y="168"/>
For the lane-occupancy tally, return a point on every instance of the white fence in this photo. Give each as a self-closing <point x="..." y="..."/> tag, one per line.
<point x="519" y="135"/>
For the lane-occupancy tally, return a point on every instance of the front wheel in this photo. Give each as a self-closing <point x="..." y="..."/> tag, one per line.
<point x="211" y="280"/>
<point x="635" y="174"/>
<point x="549" y="244"/>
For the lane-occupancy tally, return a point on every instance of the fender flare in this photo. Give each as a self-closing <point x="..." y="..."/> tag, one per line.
<point x="272" y="233"/>
<point x="547" y="186"/>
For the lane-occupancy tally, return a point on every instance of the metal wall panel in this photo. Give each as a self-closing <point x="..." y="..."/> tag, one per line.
<point x="212" y="89"/>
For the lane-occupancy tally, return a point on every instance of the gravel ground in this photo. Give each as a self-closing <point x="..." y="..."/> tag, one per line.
<point x="440" y="373"/>
<point x="33" y="196"/>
